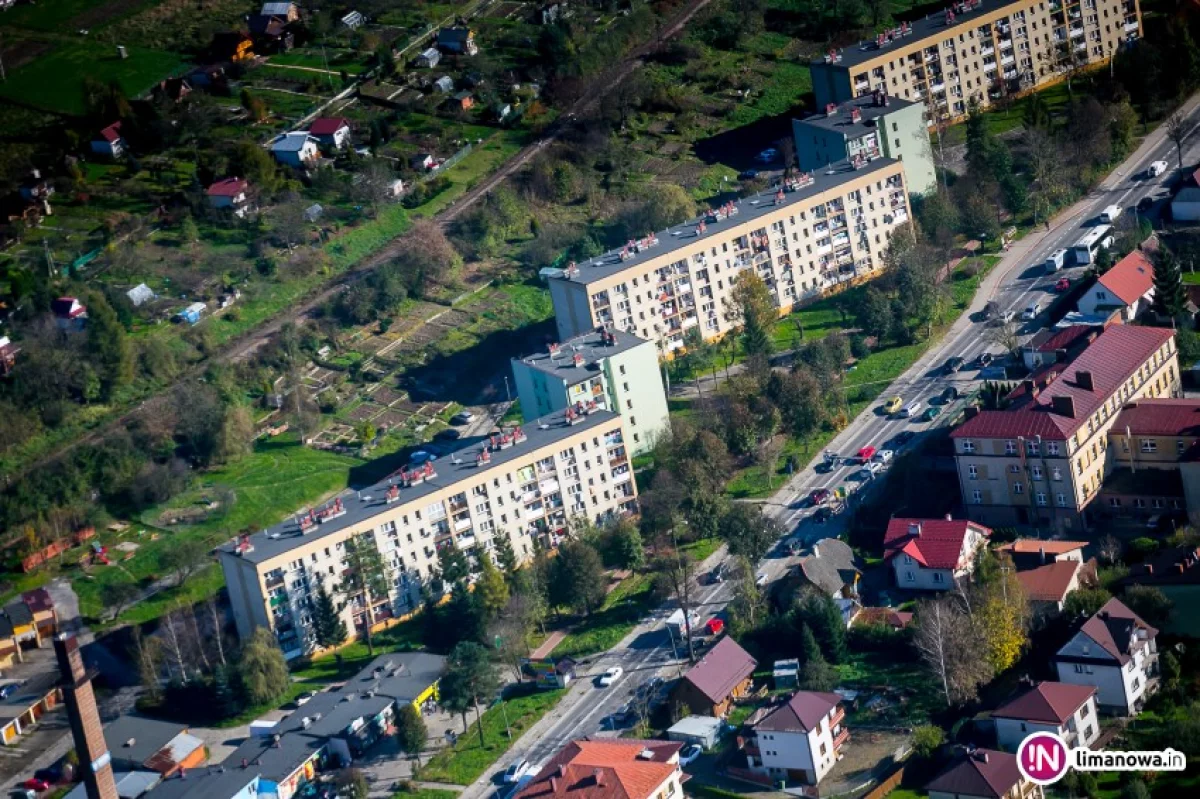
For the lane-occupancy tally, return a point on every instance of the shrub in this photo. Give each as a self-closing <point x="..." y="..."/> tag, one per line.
<point x="859" y="347"/>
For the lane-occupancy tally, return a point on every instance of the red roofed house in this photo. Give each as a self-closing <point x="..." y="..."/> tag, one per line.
<point x="930" y="554"/>
<point x="109" y="142"/>
<point x="330" y="131"/>
<point x="609" y="769"/>
<point x="1047" y="587"/>
<point x="1049" y="346"/>
<point x="722" y="675"/>
<point x="1068" y="711"/>
<point x="1114" y="651"/>
<point x="1029" y="553"/>
<point x="1149" y="445"/>
<point x="983" y="774"/>
<point x="1042" y="459"/>
<point x="1128" y="287"/>
<point x="69" y="313"/>
<point x="798" y="739"/>
<point x="230" y="193"/>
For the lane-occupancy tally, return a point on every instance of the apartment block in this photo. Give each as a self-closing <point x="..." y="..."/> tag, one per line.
<point x="1154" y="445"/>
<point x="874" y="126"/>
<point x="978" y="50"/>
<point x="814" y="232"/>
<point x="523" y="483"/>
<point x="608" y="369"/>
<point x="1043" y="459"/>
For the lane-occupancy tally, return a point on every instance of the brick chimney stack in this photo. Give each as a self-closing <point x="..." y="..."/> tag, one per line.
<point x="95" y="762"/>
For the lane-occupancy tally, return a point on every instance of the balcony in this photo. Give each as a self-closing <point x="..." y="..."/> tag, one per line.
<point x="1008" y="59"/>
<point x="462" y="523"/>
<point x="1131" y="26"/>
<point x="1076" y="32"/>
<point x="987" y="50"/>
<point x="841" y="738"/>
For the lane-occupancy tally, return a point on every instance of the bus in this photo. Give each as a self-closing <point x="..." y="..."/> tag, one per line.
<point x="1086" y="248"/>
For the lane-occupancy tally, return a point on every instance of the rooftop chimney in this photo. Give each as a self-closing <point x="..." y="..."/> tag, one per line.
<point x="949" y="517"/>
<point x="1030" y="387"/>
<point x="1084" y="380"/>
<point x="1042" y="553"/>
<point x="1064" y="406"/>
<point x="816" y="551"/>
<point x="970" y="412"/>
<point x="598" y="776"/>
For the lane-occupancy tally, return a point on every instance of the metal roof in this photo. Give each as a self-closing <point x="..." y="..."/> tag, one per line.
<point x="592" y="347"/>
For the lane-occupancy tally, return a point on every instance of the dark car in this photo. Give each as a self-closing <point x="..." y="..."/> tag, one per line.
<point x="950" y="394"/>
<point x="902" y="438"/>
<point x="749" y="174"/>
<point x="954" y="364"/>
<point x="985" y="359"/>
<point x="1146" y="203"/>
<point x="449" y="434"/>
<point x="818" y="496"/>
<point x="822" y="515"/>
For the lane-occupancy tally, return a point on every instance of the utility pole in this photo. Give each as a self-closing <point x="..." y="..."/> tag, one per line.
<point x="49" y="257"/>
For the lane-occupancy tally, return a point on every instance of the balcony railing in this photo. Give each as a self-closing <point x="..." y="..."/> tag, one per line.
<point x="841" y="738"/>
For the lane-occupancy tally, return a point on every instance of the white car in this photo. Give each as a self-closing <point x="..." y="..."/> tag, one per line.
<point x="760" y="579"/>
<point x="871" y="469"/>
<point x="689" y="754"/>
<point x="1031" y="312"/>
<point x="884" y="456"/>
<point x="611" y="676"/>
<point x="515" y="771"/>
<point x="304" y="697"/>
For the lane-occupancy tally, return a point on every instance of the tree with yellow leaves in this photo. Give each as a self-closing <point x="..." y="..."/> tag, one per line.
<point x="1001" y="613"/>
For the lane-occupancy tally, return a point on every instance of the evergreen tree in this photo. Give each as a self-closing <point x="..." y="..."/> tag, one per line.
<point x="808" y="644"/>
<point x="470" y="680"/>
<point x="506" y="556"/>
<point x="491" y="588"/>
<point x="820" y="613"/>
<point x="328" y="626"/>
<point x="453" y="566"/>
<point x="108" y="345"/>
<point x="410" y="731"/>
<point x="225" y="701"/>
<point x="1169" y="295"/>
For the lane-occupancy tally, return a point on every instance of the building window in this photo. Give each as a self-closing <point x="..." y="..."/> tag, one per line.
<point x="910" y="577"/>
<point x="1036" y="471"/>
<point x="1061" y="499"/>
<point x="977" y="497"/>
<point x="1056" y="474"/>
<point x="1052" y="448"/>
<point x="1114" y="502"/>
<point x="1149" y="445"/>
<point x="1032" y="447"/>
<point x="1041" y="498"/>
<point x="937" y="577"/>
<point x="968" y="446"/>
<point x="1010" y="447"/>
<point x="1083" y="668"/>
<point x="1014" y="468"/>
<point x="972" y="472"/>
<point x="1018" y="488"/>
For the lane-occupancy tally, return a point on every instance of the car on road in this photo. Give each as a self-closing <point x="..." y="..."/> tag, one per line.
<point x="462" y="417"/>
<point x="34" y="784"/>
<point x="1062" y="284"/>
<point x="8" y="689"/>
<point x="931" y="413"/>
<point x="688" y="754"/>
<point x="985" y="360"/>
<point x="760" y="579"/>
<point x="911" y="409"/>
<point x="883" y="456"/>
<point x="819" y="496"/>
<point x="865" y="454"/>
<point x="748" y="174"/>
<point x="611" y="676"/>
<point x="893" y="404"/>
<point x="1004" y="317"/>
<point x="902" y="438"/>
<point x="767" y="156"/>
<point x="717" y="575"/>
<point x="515" y="771"/>
<point x="949" y="395"/>
<point x="1146" y="203"/>
<point x="1032" y="311"/>
<point x="954" y="365"/>
<point x="871" y="469"/>
<point x="449" y="434"/>
<point x="1156" y="168"/>
<point x="822" y="515"/>
<point x="304" y="697"/>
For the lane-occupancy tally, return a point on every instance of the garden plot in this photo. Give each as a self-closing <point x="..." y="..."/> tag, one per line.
<point x="386" y="395"/>
<point x="365" y="412"/>
<point x="392" y="419"/>
<point x="504" y="10"/>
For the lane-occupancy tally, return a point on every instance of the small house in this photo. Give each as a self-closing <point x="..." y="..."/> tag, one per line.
<point x="797" y="739"/>
<point x="140" y="295"/>
<point x="421" y="161"/>
<point x="463" y="101"/>
<point x="332" y="132"/>
<point x="230" y="193"/>
<point x="395" y="187"/>
<point x="444" y="84"/>
<point x="354" y="20"/>
<point x="192" y="313"/>
<point x="458" y="40"/>
<point x="161" y="746"/>
<point x="69" y="313"/>
<point x="833" y="570"/>
<point x="722" y="675"/>
<point x="983" y="774"/>
<point x="1114" y="651"/>
<point x="428" y="59"/>
<point x="172" y="90"/>
<point x="109" y="142"/>
<point x="287" y="11"/>
<point x="295" y="149"/>
<point x="8" y="356"/>
<point x="932" y="554"/>
<point x="313" y="212"/>
<point x="1127" y="288"/>
<point x="271" y="33"/>
<point x="1068" y="711"/>
<point x="1047" y="587"/>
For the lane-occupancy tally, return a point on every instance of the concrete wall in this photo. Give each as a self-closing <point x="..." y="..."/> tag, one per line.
<point x="636" y="388"/>
<point x="904" y="135"/>
<point x="831" y="84"/>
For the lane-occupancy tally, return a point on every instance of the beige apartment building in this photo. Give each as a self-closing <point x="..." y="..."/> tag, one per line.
<point x="524" y="483"/>
<point x="1043" y="459"/>
<point x="982" y="50"/>
<point x="821" y="229"/>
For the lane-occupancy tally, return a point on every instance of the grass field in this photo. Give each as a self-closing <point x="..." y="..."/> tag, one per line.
<point x="623" y="608"/>
<point x="54" y="81"/>
<point x="402" y="637"/>
<point x="57" y="16"/>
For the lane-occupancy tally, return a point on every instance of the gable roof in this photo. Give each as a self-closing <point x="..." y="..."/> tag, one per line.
<point x="294" y="141"/>
<point x="605" y="769"/>
<point x="934" y="543"/>
<point x="327" y="126"/>
<point x="1113" y="628"/>
<point x="1110" y="360"/>
<point x="228" y="187"/>
<point x="1036" y="546"/>
<point x="831" y="566"/>
<point x="1130" y="278"/>
<point x="897" y="619"/>
<point x="1051" y="340"/>
<point x="1048" y="702"/>
<point x="112" y="132"/>
<point x="1160" y="417"/>
<point x="983" y="772"/>
<point x="1049" y="582"/>
<point x="721" y="670"/>
<point x="802" y="713"/>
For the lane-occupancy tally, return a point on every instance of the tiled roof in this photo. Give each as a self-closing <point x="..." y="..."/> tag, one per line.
<point x="1061" y="339"/>
<point x="1160" y="417"/>
<point x="1049" y="702"/>
<point x="802" y="713"/>
<point x="1113" y="628"/>
<point x="984" y="772"/>
<point x="1036" y="546"/>
<point x="1111" y="359"/>
<point x="831" y="566"/>
<point x="605" y="769"/>
<point x="899" y="619"/>
<point x="1130" y="278"/>
<point x="1049" y="583"/>
<point x="721" y="670"/>
<point x="112" y="132"/>
<point x="228" y="187"/>
<point x="934" y="543"/>
<point x="327" y="126"/>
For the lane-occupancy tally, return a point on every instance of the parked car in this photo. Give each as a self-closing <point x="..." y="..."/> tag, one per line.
<point x="449" y="434"/>
<point x="760" y="579"/>
<point x="902" y="438"/>
<point x="34" y="784"/>
<point x="954" y="365"/>
<point x="892" y="405"/>
<point x="1032" y="311"/>
<point x="611" y="676"/>
<point x="515" y="771"/>
<point x="717" y="575"/>
<point x="1062" y="284"/>
<point x="985" y="359"/>
<point x="883" y="456"/>
<point x="462" y="417"/>
<point x="304" y="697"/>
<point x="818" y="497"/>
<point x="871" y="469"/>
<point x="688" y="754"/>
<point x="865" y="454"/>
<point x="931" y="413"/>
<point x="822" y="515"/>
<point x="950" y="394"/>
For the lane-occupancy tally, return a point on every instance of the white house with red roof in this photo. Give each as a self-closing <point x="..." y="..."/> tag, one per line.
<point x="230" y="193"/>
<point x="798" y="739"/>
<point x="612" y="768"/>
<point x="1115" y="652"/>
<point x="931" y="554"/>
<point x="982" y="774"/>
<point x="1128" y="287"/>
<point x="109" y="142"/>
<point x="69" y="313"/>
<point x="332" y="132"/>
<point x="1066" y="710"/>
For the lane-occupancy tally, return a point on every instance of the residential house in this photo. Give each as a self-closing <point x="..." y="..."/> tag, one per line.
<point x="110" y="142"/>
<point x="1043" y="458"/>
<point x="172" y="90"/>
<point x="461" y="101"/>
<point x="444" y="84"/>
<point x="611" y="768"/>
<point x="69" y="313"/>
<point x="295" y="149"/>
<point x="983" y="774"/>
<point x="271" y="34"/>
<point x="1057" y="345"/>
<point x="45" y="616"/>
<point x="932" y="554"/>
<point x="721" y="676"/>
<point x="1127" y="288"/>
<point x="428" y="59"/>
<point x="421" y="161"/>
<point x="1151" y="447"/>
<point x="833" y="570"/>
<point x="165" y="747"/>
<point x="1115" y="652"/>
<point x="1068" y="711"/>
<point x="287" y="11"/>
<point x="457" y="40"/>
<point x="1050" y="570"/>
<point x="230" y="193"/>
<point x="25" y="624"/>
<point x="798" y="739"/>
<point x="8" y="356"/>
<point x="331" y="132"/>
<point x="1029" y="553"/>
<point x="1185" y="205"/>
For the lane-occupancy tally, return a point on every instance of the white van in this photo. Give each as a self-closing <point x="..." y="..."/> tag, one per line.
<point x="1156" y="169"/>
<point x="1056" y="260"/>
<point x="1110" y="214"/>
<point x="911" y="409"/>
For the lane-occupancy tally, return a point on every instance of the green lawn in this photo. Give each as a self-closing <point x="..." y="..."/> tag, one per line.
<point x="701" y="549"/>
<point x="426" y="793"/>
<point x="463" y="763"/>
<point x="54" y="81"/>
<point x="623" y="608"/>
<point x="871" y="671"/>
<point x="327" y="668"/>
<point x="57" y="16"/>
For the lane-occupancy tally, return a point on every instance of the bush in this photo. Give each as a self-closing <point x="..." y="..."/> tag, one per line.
<point x="859" y="347"/>
<point x="1141" y="548"/>
<point x="877" y="638"/>
<point x="926" y="740"/>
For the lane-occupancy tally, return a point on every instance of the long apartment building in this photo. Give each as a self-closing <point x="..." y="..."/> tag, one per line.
<point x="982" y="50"/>
<point x="1042" y="459"/>
<point x="524" y="483"/>
<point x="819" y="230"/>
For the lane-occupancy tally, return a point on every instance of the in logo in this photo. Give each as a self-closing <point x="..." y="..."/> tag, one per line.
<point x="1042" y="758"/>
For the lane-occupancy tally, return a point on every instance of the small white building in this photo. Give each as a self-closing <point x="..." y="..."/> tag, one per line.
<point x="704" y="731"/>
<point x="140" y="294"/>
<point x="428" y="59"/>
<point x="932" y="554"/>
<point x="1068" y="711"/>
<point x="1128" y="288"/>
<point x="1115" y="652"/>
<point x="110" y="142"/>
<point x="798" y="739"/>
<point x="295" y="149"/>
<point x="330" y="132"/>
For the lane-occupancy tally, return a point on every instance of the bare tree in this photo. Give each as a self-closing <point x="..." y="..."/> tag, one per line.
<point x="950" y="647"/>
<point x="1178" y="132"/>
<point x="1006" y="335"/>
<point x="769" y="452"/>
<point x="174" y="640"/>
<point x="676" y="569"/>
<point x="147" y="655"/>
<point x="787" y="154"/>
<point x="197" y="640"/>
<point x="1109" y="548"/>
<point x="217" y="619"/>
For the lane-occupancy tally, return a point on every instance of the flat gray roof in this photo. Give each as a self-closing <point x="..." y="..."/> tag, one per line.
<point x="868" y="111"/>
<point x="145" y="737"/>
<point x="933" y="26"/>
<point x="749" y="209"/>
<point x="370" y="502"/>
<point x="592" y="346"/>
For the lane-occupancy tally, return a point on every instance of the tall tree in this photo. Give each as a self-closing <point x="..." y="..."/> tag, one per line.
<point x="262" y="668"/>
<point x="675" y="574"/>
<point x="577" y="578"/>
<point x="1003" y="618"/>
<point x="506" y="556"/>
<point x="470" y="678"/>
<point x="819" y="612"/>
<point x="625" y="541"/>
<point x="411" y="732"/>
<point x="108" y="345"/>
<point x="328" y="626"/>
<point x="748" y="608"/>
<point x="749" y="533"/>
<point x="453" y="566"/>
<point x="1178" y="131"/>
<point x="752" y="307"/>
<point x="1169" y="294"/>
<point x="367" y="580"/>
<point x="490" y="586"/>
<point x="949" y="647"/>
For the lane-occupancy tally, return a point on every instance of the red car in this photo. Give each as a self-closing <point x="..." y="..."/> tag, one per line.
<point x="865" y="454"/>
<point x="1062" y="285"/>
<point x="34" y="784"/>
<point x="818" y="496"/>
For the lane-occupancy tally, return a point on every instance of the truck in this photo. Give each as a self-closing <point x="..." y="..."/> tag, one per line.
<point x="676" y="624"/>
<point x="1155" y="169"/>
<point x="1110" y="214"/>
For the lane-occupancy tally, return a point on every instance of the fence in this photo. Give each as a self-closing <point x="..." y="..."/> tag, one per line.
<point x="887" y="784"/>
<point x="449" y="162"/>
